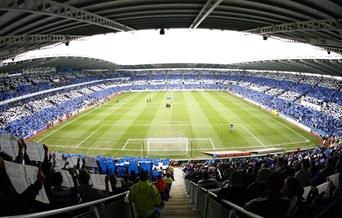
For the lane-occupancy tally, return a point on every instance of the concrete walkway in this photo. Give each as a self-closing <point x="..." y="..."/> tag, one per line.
<point x="178" y="206"/>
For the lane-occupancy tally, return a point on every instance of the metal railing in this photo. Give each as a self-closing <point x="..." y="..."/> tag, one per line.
<point x="109" y="207"/>
<point x="208" y="207"/>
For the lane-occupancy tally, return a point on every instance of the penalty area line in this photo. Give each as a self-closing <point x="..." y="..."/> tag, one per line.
<point x="130" y="140"/>
<point x="212" y="143"/>
<point x="256" y="138"/>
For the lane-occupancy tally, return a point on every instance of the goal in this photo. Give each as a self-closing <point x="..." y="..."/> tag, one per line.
<point x="167" y="146"/>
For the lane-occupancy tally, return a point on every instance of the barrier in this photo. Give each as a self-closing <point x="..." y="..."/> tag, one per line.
<point x="208" y="207"/>
<point x="109" y="207"/>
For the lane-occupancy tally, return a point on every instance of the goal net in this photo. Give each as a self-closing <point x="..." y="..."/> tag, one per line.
<point x="167" y="146"/>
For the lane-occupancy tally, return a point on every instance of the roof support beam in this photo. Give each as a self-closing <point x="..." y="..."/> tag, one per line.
<point x="288" y="66"/>
<point x="316" y="67"/>
<point x="56" y="9"/>
<point x="311" y="25"/>
<point x="24" y="39"/>
<point x="327" y="66"/>
<point x="209" y="6"/>
<point x="12" y="52"/>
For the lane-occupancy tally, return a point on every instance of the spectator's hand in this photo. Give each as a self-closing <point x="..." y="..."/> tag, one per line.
<point x="21" y="145"/>
<point x="72" y="171"/>
<point x="2" y="163"/>
<point x="40" y="177"/>
<point x="107" y="179"/>
<point x="46" y="149"/>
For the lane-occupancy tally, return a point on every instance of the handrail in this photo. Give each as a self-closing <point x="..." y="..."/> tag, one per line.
<point x="234" y="206"/>
<point x="67" y="209"/>
<point x="237" y="207"/>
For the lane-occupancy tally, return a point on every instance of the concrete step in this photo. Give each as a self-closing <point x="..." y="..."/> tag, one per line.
<point x="181" y="212"/>
<point x="179" y="216"/>
<point x="178" y="206"/>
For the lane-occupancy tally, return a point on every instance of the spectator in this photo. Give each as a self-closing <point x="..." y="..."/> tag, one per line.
<point x="163" y="188"/>
<point x="59" y="195"/>
<point x="208" y="183"/>
<point x="145" y="196"/>
<point x="118" y="184"/>
<point x="304" y="174"/>
<point x="234" y="192"/>
<point x="13" y="203"/>
<point x="320" y="176"/>
<point x="168" y="179"/>
<point x="293" y="192"/>
<point x="258" y="188"/>
<point x="85" y="189"/>
<point x="330" y="207"/>
<point x="273" y="204"/>
<point x="282" y="168"/>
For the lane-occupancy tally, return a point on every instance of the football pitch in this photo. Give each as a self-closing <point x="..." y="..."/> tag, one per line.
<point x="197" y="121"/>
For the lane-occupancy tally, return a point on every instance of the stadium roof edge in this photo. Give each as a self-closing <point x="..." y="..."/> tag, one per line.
<point x="73" y="62"/>
<point x="329" y="67"/>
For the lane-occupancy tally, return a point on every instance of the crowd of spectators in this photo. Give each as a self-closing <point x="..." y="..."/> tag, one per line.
<point x="28" y="116"/>
<point x="25" y="83"/>
<point x="296" y="184"/>
<point x="67" y="179"/>
<point x="307" y="99"/>
<point x="313" y="101"/>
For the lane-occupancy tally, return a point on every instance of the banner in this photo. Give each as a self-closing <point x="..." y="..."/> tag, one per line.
<point x="67" y="178"/>
<point x="9" y="145"/>
<point x="310" y="105"/>
<point x="99" y="182"/>
<point x="90" y="161"/>
<point x="35" y="151"/>
<point x="22" y="176"/>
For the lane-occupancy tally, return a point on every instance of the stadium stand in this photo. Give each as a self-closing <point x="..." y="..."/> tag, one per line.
<point x="68" y="179"/>
<point x="305" y="98"/>
<point x="35" y="95"/>
<point x="296" y="184"/>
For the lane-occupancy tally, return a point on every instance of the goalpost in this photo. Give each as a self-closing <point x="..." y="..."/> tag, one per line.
<point x="167" y="146"/>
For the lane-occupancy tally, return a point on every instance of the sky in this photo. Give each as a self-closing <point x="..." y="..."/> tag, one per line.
<point x="180" y="46"/>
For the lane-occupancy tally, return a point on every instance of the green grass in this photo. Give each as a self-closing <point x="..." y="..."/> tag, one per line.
<point x="203" y="117"/>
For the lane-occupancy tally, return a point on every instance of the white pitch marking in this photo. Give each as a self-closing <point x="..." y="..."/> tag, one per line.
<point x="78" y="145"/>
<point x="256" y="138"/>
<point x="61" y="127"/>
<point x="197" y="149"/>
<point x="268" y="115"/>
<point x="166" y="124"/>
<point x="123" y="148"/>
<point x="212" y="144"/>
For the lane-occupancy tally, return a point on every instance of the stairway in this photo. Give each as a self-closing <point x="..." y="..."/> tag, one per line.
<point x="178" y="206"/>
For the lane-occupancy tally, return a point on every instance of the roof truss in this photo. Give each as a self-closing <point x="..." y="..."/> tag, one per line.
<point x="53" y="8"/>
<point x="209" y="6"/>
<point x="24" y="39"/>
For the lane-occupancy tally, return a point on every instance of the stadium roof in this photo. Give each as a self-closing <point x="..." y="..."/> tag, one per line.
<point x="27" y="24"/>
<point x="315" y="66"/>
<point x="58" y="62"/>
<point x="31" y="24"/>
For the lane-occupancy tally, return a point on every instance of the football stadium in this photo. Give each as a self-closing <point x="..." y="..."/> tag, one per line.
<point x="187" y="109"/>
